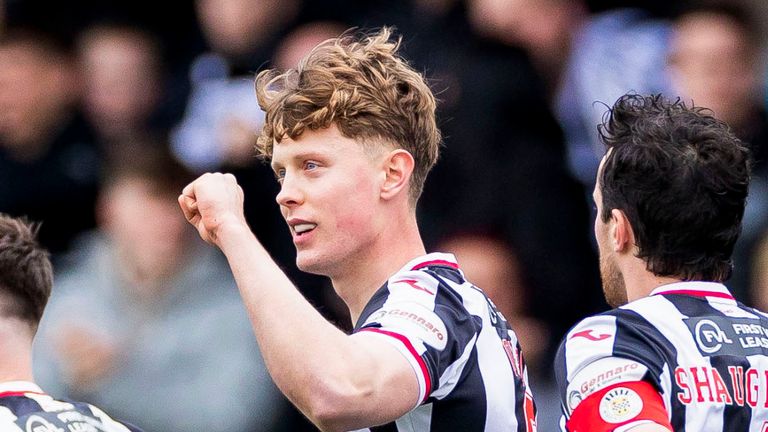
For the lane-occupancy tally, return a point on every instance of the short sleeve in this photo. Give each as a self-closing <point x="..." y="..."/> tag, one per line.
<point x="603" y="351"/>
<point x="428" y="324"/>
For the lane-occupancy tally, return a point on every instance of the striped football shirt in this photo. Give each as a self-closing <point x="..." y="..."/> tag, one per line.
<point x="705" y="353"/>
<point x="25" y="408"/>
<point x="471" y="373"/>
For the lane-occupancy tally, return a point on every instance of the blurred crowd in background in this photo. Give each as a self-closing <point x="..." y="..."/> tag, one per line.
<point x="107" y="109"/>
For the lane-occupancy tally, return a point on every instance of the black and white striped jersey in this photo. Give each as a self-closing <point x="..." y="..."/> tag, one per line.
<point x="704" y="352"/>
<point x="24" y="407"/>
<point x="470" y="369"/>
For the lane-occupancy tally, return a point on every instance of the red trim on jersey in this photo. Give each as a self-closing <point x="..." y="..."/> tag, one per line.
<point x="412" y="350"/>
<point x="19" y="393"/>
<point x="697" y="293"/>
<point x="586" y="417"/>
<point x="435" y="263"/>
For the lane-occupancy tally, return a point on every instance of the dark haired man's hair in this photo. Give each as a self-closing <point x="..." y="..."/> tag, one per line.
<point x="681" y="177"/>
<point x="26" y="273"/>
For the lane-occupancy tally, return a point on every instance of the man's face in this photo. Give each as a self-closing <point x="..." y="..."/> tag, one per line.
<point x="713" y="63"/>
<point x="329" y="197"/>
<point x="145" y="227"/>
<point x="613" y="281"/>
<point x="33" y="92"/>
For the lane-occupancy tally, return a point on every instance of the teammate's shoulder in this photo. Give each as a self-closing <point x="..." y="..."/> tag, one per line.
<point x="603" y="327"/>
<point x="595" y="334"/>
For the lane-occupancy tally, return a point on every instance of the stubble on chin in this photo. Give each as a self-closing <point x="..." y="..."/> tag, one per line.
<point x="614" y="288"/>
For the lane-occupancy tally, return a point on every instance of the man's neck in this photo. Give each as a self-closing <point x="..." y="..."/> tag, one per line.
<point x="15" y="351"/>
<point x="641" y="283"/>
<point x="369" y="271"/>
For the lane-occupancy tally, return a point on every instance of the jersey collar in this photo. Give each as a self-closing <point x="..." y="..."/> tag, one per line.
<point x="18" y="388"/>
<point x="695" y="289"/>
<point x="432" y="259"/>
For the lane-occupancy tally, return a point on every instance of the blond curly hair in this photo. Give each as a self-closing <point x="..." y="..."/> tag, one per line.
<point x="362" y="86"/>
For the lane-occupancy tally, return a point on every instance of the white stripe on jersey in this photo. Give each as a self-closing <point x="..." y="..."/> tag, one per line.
<point x="666" y="383"/>
<point x="494" y="364"/>
<point x="599" y="331"/>
<point x="6" y="415"/>
<point x="49" y="404"/>
<point x="760" y="417"/>
<point x="666" y="318"/>
<point x="9" y="426"/>
<point x="730" y="308"/>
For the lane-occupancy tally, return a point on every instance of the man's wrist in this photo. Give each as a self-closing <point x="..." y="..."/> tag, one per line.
<point x="230" y="232"/>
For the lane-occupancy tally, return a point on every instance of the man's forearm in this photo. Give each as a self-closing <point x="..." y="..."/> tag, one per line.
<point x="307" y="356"/>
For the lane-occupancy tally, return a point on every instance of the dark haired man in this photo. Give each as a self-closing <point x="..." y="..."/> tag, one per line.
<point x="26" y="277"/>
<point x="678" y="353"/>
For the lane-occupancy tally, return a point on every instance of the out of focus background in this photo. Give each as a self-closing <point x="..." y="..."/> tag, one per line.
<point x="108" y="108"/>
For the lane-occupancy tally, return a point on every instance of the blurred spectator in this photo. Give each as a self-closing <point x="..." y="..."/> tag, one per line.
<point x="122" y="75"/>
<point x="543" y="28"/>
<point x="714" y="60"/>
<point x="587" y="61"/>
<point x="222" y="116"/>
<point x="302" y="40"/>
<point x="148" y="321"/>
<point x="503" y="170"/>
<point x="759" y="283"/>
<point x="611" y="53"/>
<point x="48" y="163"/>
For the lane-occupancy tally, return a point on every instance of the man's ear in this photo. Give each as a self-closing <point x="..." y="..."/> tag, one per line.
<point x="620" y="231"/>
<point x="398" y="167"/>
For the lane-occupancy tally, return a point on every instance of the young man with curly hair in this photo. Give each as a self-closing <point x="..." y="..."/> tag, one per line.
<point x="351" y="136"/>
<point x="678" y="352"/>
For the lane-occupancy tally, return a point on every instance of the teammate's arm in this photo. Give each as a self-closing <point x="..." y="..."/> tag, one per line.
<point x="340" y="382"/>
<point x="625" y="406"/>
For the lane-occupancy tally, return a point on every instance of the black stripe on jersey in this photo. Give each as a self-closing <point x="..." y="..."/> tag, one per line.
<point x="464" y="409"/>
<point x="445" y="272"/>
<point x="637" y="339"/>
<point x="735" y="418"/>
<point x="375" y="303"/>
<point x="389" y="427"/>
<point x="461" y="328"/>
<point x="20" y="406"/>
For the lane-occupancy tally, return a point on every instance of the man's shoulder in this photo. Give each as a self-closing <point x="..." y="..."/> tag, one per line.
<point x="619" y="333"/>
<point x="33" y="411"/>
<point x="604" y="326"/>
<point x="430" y="281"/>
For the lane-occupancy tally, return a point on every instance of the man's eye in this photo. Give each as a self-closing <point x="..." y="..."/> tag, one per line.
<point x="280" y="174"/>
<point x="310" y="165"/>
